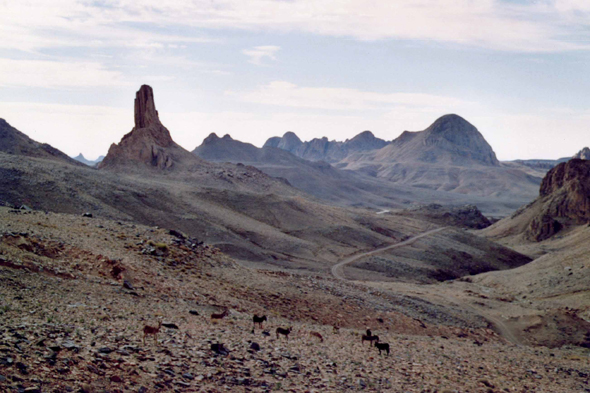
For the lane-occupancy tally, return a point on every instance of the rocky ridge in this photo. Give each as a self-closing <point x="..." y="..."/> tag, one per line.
<point x="322" y="149"/>
<point x="12" y="141"/>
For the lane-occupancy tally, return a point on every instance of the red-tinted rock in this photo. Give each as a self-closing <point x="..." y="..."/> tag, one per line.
<point x="149" y="144"/>
<point x="565" y="199"/>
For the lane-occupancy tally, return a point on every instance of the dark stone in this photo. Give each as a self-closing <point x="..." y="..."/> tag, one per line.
<point x="177" y="234"/>
<point x="89" y="215"/>
<point x="23" y="368"/>
<point x="105" y="350"/>
<point x="128" y="285"/>
<point x="68" y="344"/>
<point x="170" y="325"/>
<point x="193" y="312"/>
<point x="255" y="346"/>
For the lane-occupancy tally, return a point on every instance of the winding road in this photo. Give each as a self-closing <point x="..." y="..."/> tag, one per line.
<point x="501" y="328"/>
<point x="338" y="269"/>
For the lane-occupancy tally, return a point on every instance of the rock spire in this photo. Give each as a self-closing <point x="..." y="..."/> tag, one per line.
<point x="145" y="108"/>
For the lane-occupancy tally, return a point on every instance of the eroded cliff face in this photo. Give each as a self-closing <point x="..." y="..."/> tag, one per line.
<point x="565" y="198"/>
<point x="149" y="143"/>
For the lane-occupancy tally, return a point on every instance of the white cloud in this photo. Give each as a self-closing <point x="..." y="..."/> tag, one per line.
<point x="259" y="53"/>
<point x="550" y="25"/>
<point x="51" y="74"/>
<point x="283" y="93"/>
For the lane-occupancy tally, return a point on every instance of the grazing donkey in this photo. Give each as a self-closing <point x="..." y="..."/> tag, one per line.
<point x="382" y="347"/>
<point x="153" y="331"/>
<point x="284" y="332"/>
<point x="370" y="339"/>
<point x="258" y="320"/>
<point x="218" y="317"/>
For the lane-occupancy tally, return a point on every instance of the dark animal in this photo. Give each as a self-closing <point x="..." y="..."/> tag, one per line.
<point x="284" y="332"/>
<point x="370" y="339"/>
<point x="217" y="317"/>
<point x="219" y="348"/>
<point x="316" y="334"/>
<point x="382" y="347"/>
<point x="150" y="330"/>
<point x="369" y="333"/>
<point x="258" y="320"/>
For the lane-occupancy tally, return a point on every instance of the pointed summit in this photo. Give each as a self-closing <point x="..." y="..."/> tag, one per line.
<point x="145" y="108"/>
<point x="149" y="143"/>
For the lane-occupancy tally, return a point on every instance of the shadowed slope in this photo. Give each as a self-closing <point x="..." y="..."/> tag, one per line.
<point x="12" y="141"/>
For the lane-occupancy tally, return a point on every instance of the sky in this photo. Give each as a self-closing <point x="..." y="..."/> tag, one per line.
<point x="515" y="69"/>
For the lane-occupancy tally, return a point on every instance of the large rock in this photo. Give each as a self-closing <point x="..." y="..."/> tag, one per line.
<point x="564" y="199"/>
<point x="567" y="188"/>
<point x="149" y="143"/>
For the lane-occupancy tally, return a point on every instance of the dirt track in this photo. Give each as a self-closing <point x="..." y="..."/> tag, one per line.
<point x="501" y="327"/>
<point x="338" y="269"/>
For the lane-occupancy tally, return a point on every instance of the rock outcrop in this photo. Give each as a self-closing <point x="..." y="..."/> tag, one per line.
<point x="149" y="143"/>
<point x="322" y="149"/>
<point x="583" y="154"/>
<point x="565" y="199"/>
<point x="12" y="141"/>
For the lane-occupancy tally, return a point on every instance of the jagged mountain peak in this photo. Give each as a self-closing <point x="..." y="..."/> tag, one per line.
<point x="149" y="143"/>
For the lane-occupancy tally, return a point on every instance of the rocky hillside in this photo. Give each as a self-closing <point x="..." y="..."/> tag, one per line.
<point x="12" y="141"/>
<point x="78" y="292"/>
<point x="563" y="203"/>
<point x="322" y="149"/>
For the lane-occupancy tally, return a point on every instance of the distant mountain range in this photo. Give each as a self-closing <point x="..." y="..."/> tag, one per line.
<point x="80" y="158"/>
<point x="323" y="149"/>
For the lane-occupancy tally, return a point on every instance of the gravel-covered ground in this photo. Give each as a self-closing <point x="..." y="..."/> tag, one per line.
<point x="76" y="293"/>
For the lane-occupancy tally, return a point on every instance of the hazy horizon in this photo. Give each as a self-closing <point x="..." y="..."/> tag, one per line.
<point x="516" y="70"/>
